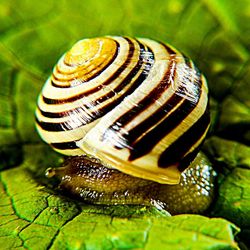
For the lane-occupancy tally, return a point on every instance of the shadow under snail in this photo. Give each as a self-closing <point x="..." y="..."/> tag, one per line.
<point x="131" y="114"/>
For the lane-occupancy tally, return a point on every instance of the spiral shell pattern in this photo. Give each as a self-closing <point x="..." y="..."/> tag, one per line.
<point x="136" y="104"/>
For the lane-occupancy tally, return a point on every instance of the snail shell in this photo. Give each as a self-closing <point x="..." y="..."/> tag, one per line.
<point x="138" y="105"/>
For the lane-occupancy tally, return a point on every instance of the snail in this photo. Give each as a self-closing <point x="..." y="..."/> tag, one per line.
<point x="131" y="115"/>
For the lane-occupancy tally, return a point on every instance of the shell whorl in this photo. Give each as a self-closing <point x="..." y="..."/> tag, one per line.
<point x="138" y="105"/>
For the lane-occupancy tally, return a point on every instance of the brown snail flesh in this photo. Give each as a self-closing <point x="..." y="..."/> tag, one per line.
<point x="131" y="114"/>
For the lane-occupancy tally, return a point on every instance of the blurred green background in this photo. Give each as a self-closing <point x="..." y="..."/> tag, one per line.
<point x="34" y="34"/>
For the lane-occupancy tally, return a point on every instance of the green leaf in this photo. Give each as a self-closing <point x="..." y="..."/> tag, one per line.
<point x="214" y="33"/>
<point x="232" y="159"/>
<point x="31" y="214"/>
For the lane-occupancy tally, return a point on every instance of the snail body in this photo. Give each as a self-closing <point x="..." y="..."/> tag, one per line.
<point x="134" y="106"/>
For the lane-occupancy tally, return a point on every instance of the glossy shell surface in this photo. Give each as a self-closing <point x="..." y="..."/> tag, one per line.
<point x="138" y="105"/>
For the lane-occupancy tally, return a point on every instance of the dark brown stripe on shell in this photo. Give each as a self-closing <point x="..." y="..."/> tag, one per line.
<point x="126" y="81"/>
<point x="56" y="114"/>
<point x="96" y="89"/>
<point x="67" y="125"/>
<point x="176" y="151"/>
<point x="168" y="49"/>
<point x="152" y="120"/>
<point x="150" y="99"/>
<point x="64" y="145"/>
<point x="186" y="160"/>
<point x="150" y="140"/>
<point x="49" y="126"/>
<point x="115" y="91"/>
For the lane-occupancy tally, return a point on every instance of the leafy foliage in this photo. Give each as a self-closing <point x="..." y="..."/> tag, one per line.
<point x="34" y="35"/>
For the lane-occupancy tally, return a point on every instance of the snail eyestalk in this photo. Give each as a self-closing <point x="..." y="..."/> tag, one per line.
<point x="50" y="172"/>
